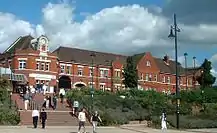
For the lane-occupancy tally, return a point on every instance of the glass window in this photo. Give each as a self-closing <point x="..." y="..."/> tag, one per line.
<point x="62" y="69"/>
<point x="80" y="71"/>
<point x="148" y="63"/>
<point x="105" y="73"/>
<point x="118" y="74"/>
<point x="68" y="70"/>
<point x="155" y="77"/>
<point x="168" y="80"/>
<point x="101" y="73"/>
<point x="146" y="77"/>
<point x="102" y="87"/>
<point x="42" y="66"/>
<point x="47" y="67"/>
<point x="37" y="65"/>
<point x="22" y="64"/>
<point x="164" y="79"/>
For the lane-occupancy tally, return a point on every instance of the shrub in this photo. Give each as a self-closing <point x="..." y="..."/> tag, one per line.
<point x="9" y="117"/>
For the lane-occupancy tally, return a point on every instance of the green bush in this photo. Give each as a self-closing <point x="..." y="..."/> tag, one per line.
<point x="9" y="117"/>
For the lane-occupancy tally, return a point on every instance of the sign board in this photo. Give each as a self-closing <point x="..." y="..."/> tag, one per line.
<point x="76" y="104"/>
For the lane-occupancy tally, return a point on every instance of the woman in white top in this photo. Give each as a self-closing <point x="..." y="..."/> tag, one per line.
<point x="163" y="121"/>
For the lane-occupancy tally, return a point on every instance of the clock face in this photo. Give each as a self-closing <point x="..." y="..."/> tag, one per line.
<point x="43" y="41"/>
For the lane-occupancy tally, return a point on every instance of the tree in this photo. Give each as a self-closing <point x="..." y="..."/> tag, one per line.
<point x="206" y="79"/>
<point x="130" y="74"/>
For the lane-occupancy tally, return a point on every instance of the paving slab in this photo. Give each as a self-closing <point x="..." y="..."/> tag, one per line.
<point x="67" y="129"/>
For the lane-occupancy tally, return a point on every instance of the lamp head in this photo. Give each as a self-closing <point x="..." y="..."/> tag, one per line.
<point x="171" y="35"/>
<point x="185" y="54"/>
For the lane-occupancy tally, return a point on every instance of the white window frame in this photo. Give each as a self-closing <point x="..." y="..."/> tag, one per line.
<point x="22" y="64"/>
<point x="148" y="63"/>
<point x="155" y="78"/>
<point x="37" y="65"/>
<point x="80" y="71"/>
<point x="42" y="66"/>
<point x="68" y="69"/>
<point x="164" y="79"/>
<point x="62" y="68"/>
<point x="117" y="73"/>
<point x="47" y="66"/>
<point x="168" y="80"/>
<point x="101" y="73"/>
<point x="106" y="73"/>
<point x="146" y="77"/>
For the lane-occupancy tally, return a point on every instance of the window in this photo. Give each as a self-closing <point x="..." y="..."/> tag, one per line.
<point x="101" y="73"/>
<point x="91" y="71"/>
<point x="37" y="65"/>
<point x="189" y="82"/>
<point x="68" y="70"/>
<point x="62" y="69"/>
<point x="148" y="63"/>
<point x="164" y="79"/>
<point x="141" y="76"/>
<point x="105" y="73"/>
<point x="146" y="77"/>
<point x="180" y="81"/>
<point x="47" y="67"/>
<point x="117" y="74"/>
<point x="80" y="71"/>
<point x="37" y="82"/>
<point x="155" y="77"/>
<point x="42" y="66"/>
<point x="102" y="87"/>
<point x="168" y="80"/>
<point x="22" y="64"/>
<point x="150" y="77"/>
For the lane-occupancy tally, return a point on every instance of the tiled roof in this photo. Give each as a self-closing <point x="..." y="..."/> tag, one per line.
<point x="23" y="43"/>
<point x="83" y="56"/>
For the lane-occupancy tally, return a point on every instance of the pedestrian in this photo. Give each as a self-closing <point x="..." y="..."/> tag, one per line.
<point x="55" y="101"/>
<point x="94" y="120"/>
<point x="62" y="94"/>
<point x="35" y="115"/>
<point x="26" y="100"/>
<point x="163" y="121"/>
<point x="82" y="120"/>
<point x="43" y="118"/>
<point x="47" y="102"/>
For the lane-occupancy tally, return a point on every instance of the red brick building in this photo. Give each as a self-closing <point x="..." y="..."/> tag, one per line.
<point x="71" y="67"/>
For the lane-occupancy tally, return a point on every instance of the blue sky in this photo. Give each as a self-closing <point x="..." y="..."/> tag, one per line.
<point x="31" y="11"/>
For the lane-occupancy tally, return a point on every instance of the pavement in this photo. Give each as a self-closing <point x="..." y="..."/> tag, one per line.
<point x="65" y="129"/>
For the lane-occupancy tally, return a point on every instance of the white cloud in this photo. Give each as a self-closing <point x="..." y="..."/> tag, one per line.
<point x="121" y="29"/>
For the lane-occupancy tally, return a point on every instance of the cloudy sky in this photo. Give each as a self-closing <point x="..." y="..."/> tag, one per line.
<point x="118" y="26"/>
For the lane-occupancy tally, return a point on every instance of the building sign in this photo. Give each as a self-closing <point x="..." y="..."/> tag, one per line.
<point x="76" y="104"/>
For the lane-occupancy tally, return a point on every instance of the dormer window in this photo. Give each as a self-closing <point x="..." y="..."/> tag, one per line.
<point x="148" y="63"/>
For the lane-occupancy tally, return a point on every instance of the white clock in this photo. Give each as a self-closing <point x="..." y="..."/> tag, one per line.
<point x="43" y="41"/>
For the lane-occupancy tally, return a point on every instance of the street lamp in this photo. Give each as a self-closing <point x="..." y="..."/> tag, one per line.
<point x="202" y="89"/>
<point x="108" y="62"/>
<point x="92" y="89"/>
<point x="186" y="77"/>
<point x="175" y="29"/>
<point x="73" y="71"/>
<point x="194" y="64"/>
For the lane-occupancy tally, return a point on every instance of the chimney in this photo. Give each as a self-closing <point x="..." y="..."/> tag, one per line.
<point x="166" y="59"/>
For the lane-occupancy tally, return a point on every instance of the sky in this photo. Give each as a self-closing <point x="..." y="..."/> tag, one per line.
<point x="118" y="26"/>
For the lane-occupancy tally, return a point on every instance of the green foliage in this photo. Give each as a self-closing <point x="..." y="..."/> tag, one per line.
<point x="8" y="116"/>
<point x="124" y="106"/>
<point x="206" y="79"/>
<point x="130" y="74"/>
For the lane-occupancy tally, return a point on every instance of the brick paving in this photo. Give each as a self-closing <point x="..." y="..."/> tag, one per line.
<point x="66" y="129"/>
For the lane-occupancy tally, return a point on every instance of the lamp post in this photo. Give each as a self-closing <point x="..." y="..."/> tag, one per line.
<point x="73" y="72"/>
<point x="186" y="76"/>
<point x="175" y="29"/>
<point x="108" y="62"/>
<point x="92" y="89"/>
<point x="194" y="64"/>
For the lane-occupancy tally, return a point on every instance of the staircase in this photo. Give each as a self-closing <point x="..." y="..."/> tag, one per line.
<point x="59" y="117"/>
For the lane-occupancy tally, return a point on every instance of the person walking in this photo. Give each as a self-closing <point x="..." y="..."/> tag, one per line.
<point x="35" y="115"/>
<point x="62" y="94"/>
<point x="82" y="120"/>
<point x="43" y="118"/>
<point x="163" y="121"/>
<point x="26" y="100"/>
<point x="54" y="101"/>
<point x="94" y="120"/>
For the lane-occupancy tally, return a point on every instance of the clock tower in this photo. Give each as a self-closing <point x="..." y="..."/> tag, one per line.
<point x="43" y="44"/>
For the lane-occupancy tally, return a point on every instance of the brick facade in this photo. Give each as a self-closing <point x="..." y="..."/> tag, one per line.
<point x="65" y="67"/>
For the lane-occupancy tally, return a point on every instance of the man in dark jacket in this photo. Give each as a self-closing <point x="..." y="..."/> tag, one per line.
<point x="43" y="118"/>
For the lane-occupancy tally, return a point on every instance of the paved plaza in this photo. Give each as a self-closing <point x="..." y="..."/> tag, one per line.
<point x="7" y="129"/>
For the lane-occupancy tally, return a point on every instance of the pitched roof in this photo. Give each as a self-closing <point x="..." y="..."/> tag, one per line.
<point x="83" y="56"/>
<point x="138" y="57"/>
<point x="21" y="43"/>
